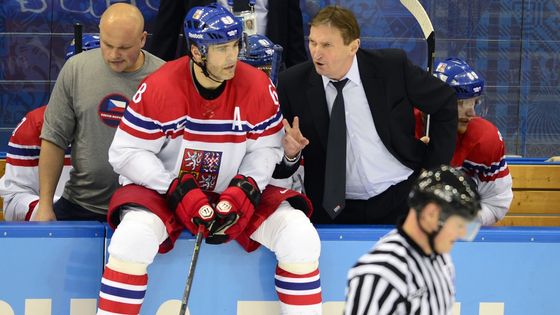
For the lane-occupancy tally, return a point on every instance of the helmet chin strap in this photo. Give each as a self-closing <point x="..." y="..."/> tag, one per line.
<point x="430" y="235"/>
<point x="206" y="72"/>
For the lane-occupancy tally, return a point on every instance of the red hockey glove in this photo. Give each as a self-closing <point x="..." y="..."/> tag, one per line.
<point x="190" y="203"/>
<point x="234" y="209"/>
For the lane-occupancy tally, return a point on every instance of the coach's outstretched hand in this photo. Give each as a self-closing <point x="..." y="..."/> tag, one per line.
<point x="294" y="141"/>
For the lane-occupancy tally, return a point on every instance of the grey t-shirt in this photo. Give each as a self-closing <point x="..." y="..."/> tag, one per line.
<point x="84" y="110"/>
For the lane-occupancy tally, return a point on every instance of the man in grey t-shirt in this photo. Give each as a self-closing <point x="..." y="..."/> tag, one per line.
<point x="85" y="107"/>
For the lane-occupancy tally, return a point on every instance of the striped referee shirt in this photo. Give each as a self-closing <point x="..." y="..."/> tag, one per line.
<point x="396" y="277"/>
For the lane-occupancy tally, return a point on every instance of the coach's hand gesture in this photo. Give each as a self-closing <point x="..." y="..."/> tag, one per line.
<point x="294" y="141"/>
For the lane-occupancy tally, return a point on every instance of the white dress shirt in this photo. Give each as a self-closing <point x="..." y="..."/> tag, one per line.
<point x="370" y="167"/>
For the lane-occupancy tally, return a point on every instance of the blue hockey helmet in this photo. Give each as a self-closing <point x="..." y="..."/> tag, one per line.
<point x="258" y="51"/>
<point x="88" y="42"/>
<point x="461" y="77"/>
<point x="211" y="25"/>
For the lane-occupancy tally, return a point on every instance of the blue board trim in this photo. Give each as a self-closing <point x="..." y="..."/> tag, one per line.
<point x="326" y="232"/>
<point x="77" y="229"/>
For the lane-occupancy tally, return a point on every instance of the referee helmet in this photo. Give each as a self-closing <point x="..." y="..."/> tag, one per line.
<point x="451" y="189"/>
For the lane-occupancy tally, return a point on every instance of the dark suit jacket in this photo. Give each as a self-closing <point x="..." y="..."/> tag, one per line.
<point x="284" y="27"/>
<point x="393" y="86"/>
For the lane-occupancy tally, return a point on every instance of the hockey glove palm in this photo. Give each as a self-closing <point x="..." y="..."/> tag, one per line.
<point x="234" y="209"/>
<point x="190" y="203"/>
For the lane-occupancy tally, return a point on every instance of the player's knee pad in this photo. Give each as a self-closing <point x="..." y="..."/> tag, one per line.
<point x="137" y="237"/>
<point x="296" y="244"/>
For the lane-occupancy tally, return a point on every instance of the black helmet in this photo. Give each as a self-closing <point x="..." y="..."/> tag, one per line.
<point x="450" y="188"/>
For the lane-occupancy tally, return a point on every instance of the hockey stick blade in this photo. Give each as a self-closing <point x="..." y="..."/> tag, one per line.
<point x="419" y="13"/>
<point x="190" y="276"/>
<point x="417" y="10"/>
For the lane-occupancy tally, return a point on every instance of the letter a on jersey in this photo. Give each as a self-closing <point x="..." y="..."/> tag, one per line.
<point x="237" y="123"/>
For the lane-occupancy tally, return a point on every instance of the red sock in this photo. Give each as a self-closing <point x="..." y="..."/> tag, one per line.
<point x="121" y="293"/>
<point x="298" y="290"/>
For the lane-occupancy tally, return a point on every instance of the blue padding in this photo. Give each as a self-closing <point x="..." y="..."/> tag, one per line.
<point x="486" y="234"/>
<point x="517" y="234"/>
<point x="58" y="229"/>
<point x="529" y="161"/>
<point x="326" y="232"/>
<point x="2" y="155"/>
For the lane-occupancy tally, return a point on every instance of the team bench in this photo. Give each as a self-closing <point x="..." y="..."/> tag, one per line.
<point x="536" y="193"/>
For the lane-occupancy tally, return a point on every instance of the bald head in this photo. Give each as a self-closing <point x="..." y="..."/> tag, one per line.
<point x="122" y="14"/>
<point x="122" y="34"/>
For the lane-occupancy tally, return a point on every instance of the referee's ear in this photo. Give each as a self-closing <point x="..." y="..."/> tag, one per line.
<point x="430" y="216"/>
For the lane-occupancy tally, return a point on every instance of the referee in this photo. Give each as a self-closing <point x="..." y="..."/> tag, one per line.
<point x="409" y="271"/>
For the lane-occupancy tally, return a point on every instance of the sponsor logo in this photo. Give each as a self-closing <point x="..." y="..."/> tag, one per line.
<point x="206" y="212"/>
<point x="197" y="36"/>
<point x="232" y="33"/>
<point x="171" y="307"/>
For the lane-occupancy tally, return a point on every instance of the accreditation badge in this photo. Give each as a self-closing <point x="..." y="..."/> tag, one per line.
<point x="249" y="19"/>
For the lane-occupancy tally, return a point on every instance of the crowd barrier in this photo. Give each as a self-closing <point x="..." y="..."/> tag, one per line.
<point x="55" y="269"/>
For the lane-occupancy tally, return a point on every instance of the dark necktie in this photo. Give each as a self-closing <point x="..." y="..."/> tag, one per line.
<point x="335" y="169"/>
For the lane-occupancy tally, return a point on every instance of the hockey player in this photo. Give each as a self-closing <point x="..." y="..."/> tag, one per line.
<point x="19" y="187"/>
<point x="261" y="53"/>
<point x="409" y="270"/>
<point x="197" y="146"/>
<point x="480" y="149"/>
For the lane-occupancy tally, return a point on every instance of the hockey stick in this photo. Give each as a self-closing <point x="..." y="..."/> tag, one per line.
<point x="77" y="38"/>
<point x="192" y="268"/>
<point x="417" y="10"/>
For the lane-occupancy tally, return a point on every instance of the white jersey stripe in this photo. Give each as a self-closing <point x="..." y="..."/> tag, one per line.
<point x="119" y="299"/>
